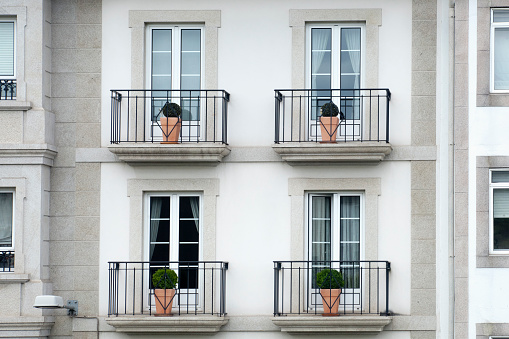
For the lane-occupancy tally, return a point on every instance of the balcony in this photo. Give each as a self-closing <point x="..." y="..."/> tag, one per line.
<point x="363" y="306"/>
<point x="6" y="261"/>
<point x="136" y="131"/>
<point x="362" y="136"/>
<point x="199" y="303"/>
<point x="7" y="89"/>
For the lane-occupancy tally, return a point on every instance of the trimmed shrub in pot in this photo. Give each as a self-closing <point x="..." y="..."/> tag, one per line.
<point x="330" y="282"/>
<point x="170" y="122"/>
<point x="329" y="121"/>
<point x="164" y="281"/>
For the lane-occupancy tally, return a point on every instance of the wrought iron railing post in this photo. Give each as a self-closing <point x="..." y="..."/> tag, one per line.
<point x="387" y="270"/>
<point x="388" y="92"/>
<point x="277" y="270"/>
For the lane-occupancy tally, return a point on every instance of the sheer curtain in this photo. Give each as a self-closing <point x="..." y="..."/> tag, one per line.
<point x="195" y="208"/>
<point x="155" y="213"/>
<point x="320" y="46"/>
<point x="6" y="219"/>
<point x="321" y="229"/>
<point x="350" y="239"/>
<point x="352" y="39"/>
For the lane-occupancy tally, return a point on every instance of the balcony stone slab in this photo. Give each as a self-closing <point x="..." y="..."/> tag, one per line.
<point x="14" y="278"/>
<point x="185" y="153"/>
<point x="313" y="153"/>
<point x="176" y="324"/>
<point x="365" y="324"/>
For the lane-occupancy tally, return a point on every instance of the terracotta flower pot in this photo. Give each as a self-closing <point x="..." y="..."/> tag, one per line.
<point x="164" y="301"/>
<point x="329" y="128"/>
<point x="171" y="129"/>
<point x="330" y="301"/>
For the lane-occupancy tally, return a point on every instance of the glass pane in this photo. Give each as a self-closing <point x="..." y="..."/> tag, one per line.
<point x="501" y="58"/>
<point x="351" y="39"/>
<point x="501" y="203"/>
<point x="321" y="39"/>
<point x="159" y="231"/>
<point x="499" y="176"/>
<point x="348" y="62"/>
<point x="161" y="82"/>
<point x="188" y="252"/>
<point x="350" y="81"/>
<point x="191" y="63"/>
<point x="500" y="16"/>
<point x="321" y="82"/>
<point x="350" y="230"/>
<point x="7" y="48"/>
<point x="162" y="204"/>
<point x="190" y="82"/>
<point x="350" y="206"/>
<point x="188" y="278"/>
<point x="188" y="231"/>
<point x="6" y="200"/>
<point x="159" y="252"/>
<point x="191" y="39"/>
<point x="321" y="228"/>
<point x="321" y="252"/>
<point x="161" y="40"/>
<point x="187" y="204"/>
<point x="501" y="233"/>
<point x="190" y="109"/>
<point x="161" y="63"/>
<point x="321" y="62"/>
<point x="349" y="251"/>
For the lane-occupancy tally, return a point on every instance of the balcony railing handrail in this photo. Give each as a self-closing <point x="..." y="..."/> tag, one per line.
<point x="135" y="115"/>
<point x="131" y="291"/>
<point x="365" y="114"/>
<point x="366" y="286"/>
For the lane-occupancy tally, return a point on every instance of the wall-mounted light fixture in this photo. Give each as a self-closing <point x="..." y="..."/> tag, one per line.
<point x="53" y="301"/>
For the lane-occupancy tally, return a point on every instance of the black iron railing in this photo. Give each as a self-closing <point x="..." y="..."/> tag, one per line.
<point x="7" y="89"/>
<point x="201" y="287"/>
<point x="6" y="261"/>
<point x="135" y="115"/>
<point x="365" y="114"/>
<point x="365" y="291"/>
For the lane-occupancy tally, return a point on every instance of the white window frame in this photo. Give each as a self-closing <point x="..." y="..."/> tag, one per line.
<point x="174" y="234"/>
<point x="13" y="226"/>
<point x="494" y="186"/>
<point x="175" y="70"/>
<point x="335" y="67"/>
<point x="13" y="76"/>
<point x="335" y="233"/>
<point x="495" y="25"/>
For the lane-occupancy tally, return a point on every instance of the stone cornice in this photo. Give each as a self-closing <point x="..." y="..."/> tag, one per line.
<point x="27" y="154"/>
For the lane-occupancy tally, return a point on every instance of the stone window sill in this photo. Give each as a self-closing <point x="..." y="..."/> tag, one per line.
<point x="368" y="324"/>
<point x="176" y="324"/>
<point x="14" y="278"/>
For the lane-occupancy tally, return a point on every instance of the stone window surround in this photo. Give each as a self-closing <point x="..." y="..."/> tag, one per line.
<point x="136" y="189"/>
<point x="18" y="185"/>
<point x="484" y="97"/>
<point x="19" y="13"/>
<point x="492" y="330"/>
<point x="299" y="187"/>
<point x="300" y="17"/>
<point x="211" y="19"/>
<point x="484" y="259"/>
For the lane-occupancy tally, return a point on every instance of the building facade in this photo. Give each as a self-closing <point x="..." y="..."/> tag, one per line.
<point x="259" y="194"/>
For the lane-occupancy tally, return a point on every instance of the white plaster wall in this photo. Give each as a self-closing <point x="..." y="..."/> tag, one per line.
<point x="253" y="207"/>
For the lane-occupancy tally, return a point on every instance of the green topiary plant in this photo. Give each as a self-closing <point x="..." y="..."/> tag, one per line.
<point x="171" y="109"/>
<point x="165" y="278"/>
<point x="330" y="109"/>
<point x="329" y="279"/>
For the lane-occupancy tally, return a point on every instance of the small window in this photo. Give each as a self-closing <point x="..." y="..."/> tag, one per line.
<point x="499" y="212"/>
<point x="7" y="60"/>
<point x="6" y="231"/>
<point x="500" y="50"/>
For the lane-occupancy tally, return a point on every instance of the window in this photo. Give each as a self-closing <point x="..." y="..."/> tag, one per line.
<point x="499" y="212"/>
<point x="6" y="231"/>
<point x="335" y="73"/>
<point x="174" y="236"/>
<point x="175" y="68"/>
<point x="334" y="234"/>
<point x="7" y="59"/>
<point x="500" y="50"/>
